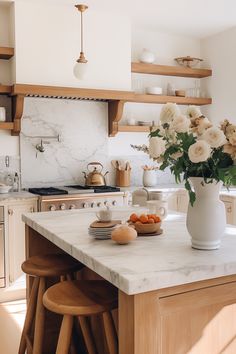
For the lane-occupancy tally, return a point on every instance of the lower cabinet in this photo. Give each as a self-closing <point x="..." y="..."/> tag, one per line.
<point x="178" y="201"/>
<point x="230" y="208"/>
<point x="16" y="236"/>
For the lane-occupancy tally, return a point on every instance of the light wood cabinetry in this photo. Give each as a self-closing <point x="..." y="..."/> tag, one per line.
<point x="16" y="235"/>
<point x="178" y="201"/>
<point x="230" y="208"/>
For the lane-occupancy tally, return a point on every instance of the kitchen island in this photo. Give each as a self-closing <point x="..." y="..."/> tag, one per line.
<point x="172" y="299"/>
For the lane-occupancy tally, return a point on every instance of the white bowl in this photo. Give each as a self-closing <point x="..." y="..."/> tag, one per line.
<point x="5" y="189"/>
<point x="154" y="90"/>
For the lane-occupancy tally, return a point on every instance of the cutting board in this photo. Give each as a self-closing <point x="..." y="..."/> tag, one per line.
<point x="101" y="224"/>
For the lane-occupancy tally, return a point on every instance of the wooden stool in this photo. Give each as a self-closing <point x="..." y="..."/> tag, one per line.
<point x="83" y="298"/>
<point x="42" y="267"/>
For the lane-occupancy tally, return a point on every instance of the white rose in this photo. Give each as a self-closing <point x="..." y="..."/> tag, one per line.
<point x="193" y="112"/>
<point x="181" y="124"/>
<point x="214" y="137"/>
<point x="169" y="112"/>
<point x="232" y="139"/>
<point x="199" y="151"/>
<point x="156" y="147"/>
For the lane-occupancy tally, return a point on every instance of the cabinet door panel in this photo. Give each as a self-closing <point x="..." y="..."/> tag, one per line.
<point x="16" y="234"/>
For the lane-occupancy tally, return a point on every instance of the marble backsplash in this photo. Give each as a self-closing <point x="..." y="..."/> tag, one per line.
<point x="82" y="127"/>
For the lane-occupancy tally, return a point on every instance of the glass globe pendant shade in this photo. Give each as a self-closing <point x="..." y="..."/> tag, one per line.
<point x="80" y="70"/>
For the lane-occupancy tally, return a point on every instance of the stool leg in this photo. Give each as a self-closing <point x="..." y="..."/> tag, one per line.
<point x="29" y="315"/>
<point x="88" y="338"/>
<point x="63" y="345"/>
<point x="39" y="319"/>
<point x="110" y="333"/>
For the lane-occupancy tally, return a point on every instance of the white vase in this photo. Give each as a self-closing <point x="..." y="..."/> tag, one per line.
<point x="149" y="178"/>
<point x="206" y="219"/>
<point x="147" y="56"/>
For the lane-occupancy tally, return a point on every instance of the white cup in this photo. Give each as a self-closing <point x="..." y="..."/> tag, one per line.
<point x="104" y="215"/>
<point x="158" y="207"/>
<point x="2" y="114"/>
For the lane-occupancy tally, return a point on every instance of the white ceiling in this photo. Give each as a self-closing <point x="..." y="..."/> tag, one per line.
<point x="195" y="18"/>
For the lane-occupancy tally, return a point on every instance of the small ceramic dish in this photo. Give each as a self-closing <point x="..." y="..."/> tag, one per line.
<point x="4" y="189"/>
<point x="154" y="90"/>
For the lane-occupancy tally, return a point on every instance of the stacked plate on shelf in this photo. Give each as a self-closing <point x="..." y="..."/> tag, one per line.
<point x="102" y="230"/>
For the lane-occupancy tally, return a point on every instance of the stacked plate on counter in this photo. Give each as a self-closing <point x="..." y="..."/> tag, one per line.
<point x="102" y="230"/>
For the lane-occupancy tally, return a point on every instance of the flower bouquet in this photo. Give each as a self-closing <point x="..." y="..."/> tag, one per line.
<point x="192" y="147"/>
<point x="201" y="155"/>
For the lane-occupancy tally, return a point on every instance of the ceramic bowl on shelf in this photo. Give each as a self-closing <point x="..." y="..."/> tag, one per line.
<point x="180" y="93"/>
<point x="154" y="90"/>
<point x="147" y="56"/>
<point x="4" y="188"/>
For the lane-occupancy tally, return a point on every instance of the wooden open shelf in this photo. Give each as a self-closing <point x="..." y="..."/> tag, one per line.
<point x="167" y="70"/>
<point x="6" y="125"/>
<point x="116" y="101"/>
<point x="5" y="90"/>
<point x="6" y="53"/>
<point x="133" y="128"/>
<point x="162" y="99"/>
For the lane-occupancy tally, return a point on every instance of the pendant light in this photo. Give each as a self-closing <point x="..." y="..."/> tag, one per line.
<point x="81" y="65"/>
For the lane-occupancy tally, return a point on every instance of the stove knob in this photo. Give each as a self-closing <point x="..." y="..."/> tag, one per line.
<point x="52" y="207"/>
<point x="93" y="205"/>
<point x="85" y="205"/>
<point x="72" y="206"/>
<point x="114" y="202"/>
<point x="106" y="203"/>
<point x="62" y="206"/>
<point x="99" y="204"/>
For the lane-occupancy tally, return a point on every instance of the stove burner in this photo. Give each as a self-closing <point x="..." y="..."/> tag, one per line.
<point x="97" y="189"/>
<point x="47" y="191"/>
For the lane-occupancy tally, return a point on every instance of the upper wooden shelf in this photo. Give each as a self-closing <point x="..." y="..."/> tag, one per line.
<point x="181" y="71"/>
<point x="133" y="128"/>
<point x="6" y="53"/>
<point x="5" y="90"/>
<point x="6" y="125"/>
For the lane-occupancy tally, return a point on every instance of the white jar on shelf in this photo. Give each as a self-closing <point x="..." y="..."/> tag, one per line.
<point x="147" y="56"/>
<point x="149" y="178"/>
<point x="2" y="114"/>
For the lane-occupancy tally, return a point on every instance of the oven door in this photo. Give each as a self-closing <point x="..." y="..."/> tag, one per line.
<point x="2" y="257"/>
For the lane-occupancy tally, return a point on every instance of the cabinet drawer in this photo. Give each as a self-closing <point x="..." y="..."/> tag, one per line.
<point x="229" y="212"/>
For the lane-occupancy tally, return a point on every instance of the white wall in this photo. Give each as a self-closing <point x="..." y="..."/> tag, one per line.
<point x="220" y="54"/>
<point x="48" y="44"/>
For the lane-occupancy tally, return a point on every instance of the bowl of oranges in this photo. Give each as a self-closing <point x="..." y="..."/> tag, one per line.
<point x="145" y="223"/>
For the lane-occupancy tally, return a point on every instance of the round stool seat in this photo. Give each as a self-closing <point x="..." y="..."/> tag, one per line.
<point x="51" y="265"/>
<point x="81" y="297"/>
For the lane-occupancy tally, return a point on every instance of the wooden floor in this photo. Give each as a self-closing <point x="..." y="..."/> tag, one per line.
<point x="12" y="315"/>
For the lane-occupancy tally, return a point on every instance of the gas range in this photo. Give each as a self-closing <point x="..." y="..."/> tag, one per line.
<point x="78" y="197"/>
<point x="73" y="189"/>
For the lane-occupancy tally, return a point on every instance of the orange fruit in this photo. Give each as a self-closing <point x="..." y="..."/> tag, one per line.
<point x="157" y="219"/>
<point x="151" y="221"/>
<point x="143" y="218"/>
<point x="133" y="217"/>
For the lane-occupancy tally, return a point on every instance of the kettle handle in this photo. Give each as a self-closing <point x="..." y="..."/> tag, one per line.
<point x="93" y="164"/>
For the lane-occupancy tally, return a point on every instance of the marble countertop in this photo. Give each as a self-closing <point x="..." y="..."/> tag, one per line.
<point x="17" y="196"/>
<point x="146" y="264"/>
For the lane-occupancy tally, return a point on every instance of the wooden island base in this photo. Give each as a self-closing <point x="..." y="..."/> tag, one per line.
<point x="197" y="318"/>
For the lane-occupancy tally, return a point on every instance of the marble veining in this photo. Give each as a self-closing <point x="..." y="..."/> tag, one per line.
<point x="17" y="196"/>
<point x="146" y="264"/>
<point x="83" y="130"/>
